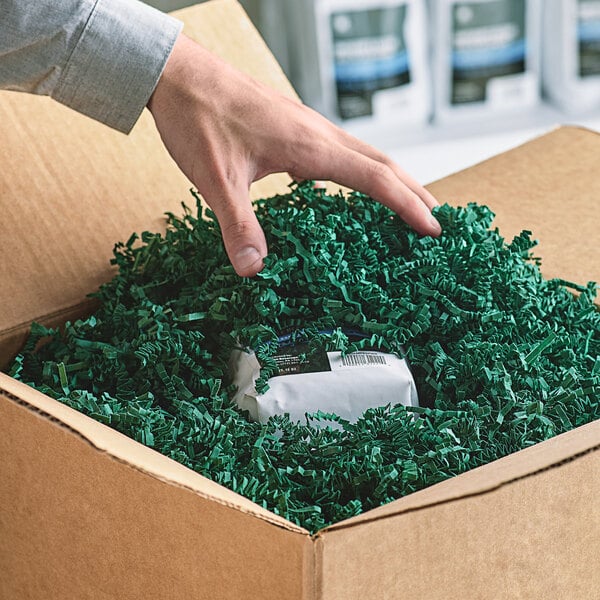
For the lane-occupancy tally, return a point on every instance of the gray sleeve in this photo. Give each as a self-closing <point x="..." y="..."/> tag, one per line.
<point x="103" y="58"/>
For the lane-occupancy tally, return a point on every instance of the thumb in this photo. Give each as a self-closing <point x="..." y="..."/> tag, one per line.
<point x="243" y="237"/>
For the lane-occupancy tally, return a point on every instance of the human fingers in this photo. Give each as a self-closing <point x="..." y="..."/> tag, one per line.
<point x="359" y="146"/>
<point x="243" y="236"/>
<point x="353" y="169"/>
<point x="348" y="140"/>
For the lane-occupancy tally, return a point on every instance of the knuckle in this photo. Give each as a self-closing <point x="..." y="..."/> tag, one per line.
<point x="239" y="229"/>
<point x="381" y="172"/>
<point x="306" y="142"/>
<point x="381" y="180"/>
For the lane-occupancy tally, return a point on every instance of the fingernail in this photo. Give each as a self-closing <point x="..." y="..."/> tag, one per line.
<point x="246" y="258"/>
<point x="435" y="225"/>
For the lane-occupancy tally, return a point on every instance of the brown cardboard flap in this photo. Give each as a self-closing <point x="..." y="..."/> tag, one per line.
<point x="13" y="338"/>
<point x="135" y="454"/>
<point x="70" y="187"/>
<point x="491" y="477"/>
<point x="535" y="538"/>
<point x="550" y="185"/>
<point x="77" y="523"/>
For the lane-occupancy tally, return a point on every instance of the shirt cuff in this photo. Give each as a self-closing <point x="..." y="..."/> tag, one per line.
<point x="117" y="62"/>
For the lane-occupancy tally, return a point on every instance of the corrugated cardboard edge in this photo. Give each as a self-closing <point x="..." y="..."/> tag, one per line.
<point x="77" y="523"/>
<point x="538" y="537"/>
<point x="550" y="131"/>
<point x="132" y="453"/>
<point x="13" y="339"/>
<point x="532" y="461"/>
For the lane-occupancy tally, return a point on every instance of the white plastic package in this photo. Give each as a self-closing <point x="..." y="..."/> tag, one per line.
<point x="571" y="57"/>
<point x="486" y="56"/>
<point x="330" y="383"/>
<point x="362" y="62"/>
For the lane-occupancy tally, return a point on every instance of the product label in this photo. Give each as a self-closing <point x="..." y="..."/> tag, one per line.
<point x="369" y="54"/>
<point x="488" y="42"/>
<point x="358" y="359"/>
<point x="588" y="33"/>
<point x="298" y="359"/>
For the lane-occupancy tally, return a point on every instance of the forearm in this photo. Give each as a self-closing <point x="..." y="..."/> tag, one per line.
<point x="102" y="58"/>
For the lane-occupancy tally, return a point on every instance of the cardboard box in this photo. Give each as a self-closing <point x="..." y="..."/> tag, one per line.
<point x="88" y="513"/>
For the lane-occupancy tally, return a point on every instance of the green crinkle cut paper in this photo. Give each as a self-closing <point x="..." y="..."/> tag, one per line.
<point x="502" y="357"/>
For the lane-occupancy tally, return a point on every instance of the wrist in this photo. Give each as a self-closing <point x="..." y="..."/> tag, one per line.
<point x="181" y="72"/>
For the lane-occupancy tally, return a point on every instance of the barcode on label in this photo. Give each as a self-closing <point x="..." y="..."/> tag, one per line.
<point x="360" y="359"/>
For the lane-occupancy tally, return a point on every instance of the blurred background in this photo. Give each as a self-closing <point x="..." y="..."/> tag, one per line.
<point x="438" y="84"/>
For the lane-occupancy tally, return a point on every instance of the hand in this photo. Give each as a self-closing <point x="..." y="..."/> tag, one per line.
<point x="226" y="130"/>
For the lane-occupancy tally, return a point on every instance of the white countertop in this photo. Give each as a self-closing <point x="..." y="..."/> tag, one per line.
<point x="436" y="151"/>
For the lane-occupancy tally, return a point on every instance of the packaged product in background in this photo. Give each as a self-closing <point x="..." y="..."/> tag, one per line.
<point x="361" y="61"/>
<point x="486" y="56"/>
<point x="571" y="54"/>
<point x="313" y="379"/>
